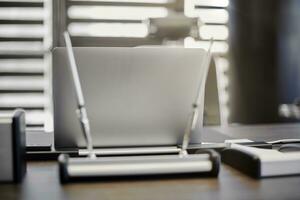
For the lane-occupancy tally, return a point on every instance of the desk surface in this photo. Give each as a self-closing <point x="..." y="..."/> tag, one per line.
<point x="42" y="181"/>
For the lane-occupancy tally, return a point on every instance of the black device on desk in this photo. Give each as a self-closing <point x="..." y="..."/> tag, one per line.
<point x="12" y="147"/>
<point x="260" y="163"/>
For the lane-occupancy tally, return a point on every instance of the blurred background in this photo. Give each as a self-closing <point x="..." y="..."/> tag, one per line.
<point x="256" y="48"/>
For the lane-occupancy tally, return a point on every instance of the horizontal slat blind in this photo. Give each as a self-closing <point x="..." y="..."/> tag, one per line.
<point x="214" y="15"/>
<point x="115" y="22"/>
<point x="24" y="28"/>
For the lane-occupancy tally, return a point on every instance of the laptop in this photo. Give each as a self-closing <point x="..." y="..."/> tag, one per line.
<point x="135" y="97"/>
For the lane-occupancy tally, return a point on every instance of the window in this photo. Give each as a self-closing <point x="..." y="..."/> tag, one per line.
<point x="30" y="28"/>
<point x="25" y="41"/>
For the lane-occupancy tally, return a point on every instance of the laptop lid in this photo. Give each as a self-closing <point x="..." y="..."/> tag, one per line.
<point x="134" y="96"/>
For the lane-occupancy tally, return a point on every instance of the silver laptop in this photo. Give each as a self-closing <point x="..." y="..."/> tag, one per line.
<point x="134" y="96"/>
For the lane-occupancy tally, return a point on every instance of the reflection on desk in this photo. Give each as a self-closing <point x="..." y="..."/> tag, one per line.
<point x="42" y="182"/>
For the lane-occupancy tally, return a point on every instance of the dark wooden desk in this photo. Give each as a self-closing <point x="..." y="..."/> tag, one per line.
<point x="42" y="182"/>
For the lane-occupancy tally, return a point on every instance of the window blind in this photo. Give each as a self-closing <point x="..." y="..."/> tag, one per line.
<point x="25" y="41"/>
<point x="113" y="22"/>
<point x="214" y="15"/>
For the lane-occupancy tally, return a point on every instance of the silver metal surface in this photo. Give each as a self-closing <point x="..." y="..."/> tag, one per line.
<point x="137" y="165"/>
<point x="163" y="88"/>
<point x="132" y="151"/>
<point x="134" y="96"/>
<point x="199" y="102"/>
<point x="82" y="113"/>
<point x="6" y="149"/>
<point x="38" y="138"/>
